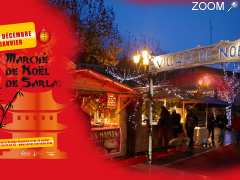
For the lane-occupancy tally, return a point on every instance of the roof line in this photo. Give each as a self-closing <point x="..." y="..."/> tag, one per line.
<point x="100" y="76"/>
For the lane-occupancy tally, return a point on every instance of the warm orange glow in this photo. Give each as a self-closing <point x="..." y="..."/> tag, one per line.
<point x="205" y="81"/>
<point x="200" y="82"/>
<point x="136" y="58"/>
<point x="145" y="61"/>
<point x="145" y="55"/>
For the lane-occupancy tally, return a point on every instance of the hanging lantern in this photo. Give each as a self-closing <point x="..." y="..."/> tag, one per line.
<point x="44" y="36"/>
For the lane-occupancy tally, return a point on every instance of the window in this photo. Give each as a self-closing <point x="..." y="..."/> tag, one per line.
<point x="102" y="110"/>
<point x="156" y="112"/>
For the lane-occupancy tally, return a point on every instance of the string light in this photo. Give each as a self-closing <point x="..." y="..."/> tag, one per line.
<point x="231" y="89"/>
<point x="132" y="117"/>
<point x="228" y="92"/>
<point x="124" y="76"/>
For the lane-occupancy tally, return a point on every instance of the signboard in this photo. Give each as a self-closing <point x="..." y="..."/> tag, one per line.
<point x="17" y="36"/>
<point x="224" y="51"/>
<point x="109" y="139"/>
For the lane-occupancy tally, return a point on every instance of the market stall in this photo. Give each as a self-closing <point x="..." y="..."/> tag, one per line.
<point x="197" y="88"/>
<point x="105" y="101"/>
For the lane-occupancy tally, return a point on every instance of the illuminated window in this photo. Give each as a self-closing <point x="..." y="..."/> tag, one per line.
<point x="156" y="112"/>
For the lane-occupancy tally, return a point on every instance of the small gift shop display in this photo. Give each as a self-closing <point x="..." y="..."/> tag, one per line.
<point x="105" y="101"/>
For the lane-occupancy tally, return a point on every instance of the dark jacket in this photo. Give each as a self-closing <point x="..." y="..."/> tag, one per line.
<point x="221" y="121"/>
<point x="164" y="120"/>
<point x="176" y="122"/>
<point x="211" y="122"/>
<point x="191" y="121"/>
<point x="176" y="118"/>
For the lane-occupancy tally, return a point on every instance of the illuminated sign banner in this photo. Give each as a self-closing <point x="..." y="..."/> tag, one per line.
<point x="17" y="36"/>
<point x="224" y="51"/>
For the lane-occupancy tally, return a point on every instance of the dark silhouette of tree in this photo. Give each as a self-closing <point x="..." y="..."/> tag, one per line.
<point x="97" y="30"/>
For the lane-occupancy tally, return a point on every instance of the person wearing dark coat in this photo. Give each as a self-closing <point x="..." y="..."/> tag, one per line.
<point x="176" y="123"/>
<point x="221" y="121"/>
<point x="191" y="123"/>
<point x="164" y="127"/>
<point x="211" y="122"/>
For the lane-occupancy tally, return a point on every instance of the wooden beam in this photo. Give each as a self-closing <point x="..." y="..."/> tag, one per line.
<point x="124" y="106"/>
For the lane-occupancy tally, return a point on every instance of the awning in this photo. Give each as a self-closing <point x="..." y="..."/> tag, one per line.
<point x="88" y="81"/>
<point x="213" y="101"/>
<point x="210" y="101"/>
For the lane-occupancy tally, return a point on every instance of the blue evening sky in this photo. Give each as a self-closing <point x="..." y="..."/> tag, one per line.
<point x="176" y="27"/>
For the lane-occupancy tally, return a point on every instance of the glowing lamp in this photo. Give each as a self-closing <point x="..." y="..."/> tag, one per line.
<point x="200" y="82"/>
<point x="145" y="56"/>
<point x="136" y="58"/>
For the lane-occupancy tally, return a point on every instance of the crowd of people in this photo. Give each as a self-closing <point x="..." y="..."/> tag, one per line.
<point x="169" y="126"/>
<point x="171" y="131"/>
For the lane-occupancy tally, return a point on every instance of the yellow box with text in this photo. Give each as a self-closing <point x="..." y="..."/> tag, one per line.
<point x="17" y="36"/>
<point x="18" y="143"/>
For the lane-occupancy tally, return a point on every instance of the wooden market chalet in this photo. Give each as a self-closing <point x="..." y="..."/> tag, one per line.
<point x="119" y="125"/>
<point x="118" y="110"/>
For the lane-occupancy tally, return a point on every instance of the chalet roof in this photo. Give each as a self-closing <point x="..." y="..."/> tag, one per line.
<point x="87" y="80"/>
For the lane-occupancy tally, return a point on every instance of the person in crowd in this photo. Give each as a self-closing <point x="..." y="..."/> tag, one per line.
<point x="211" y="122"/>
<point x="164" y="127"/>
<point x="176" y="124"/>
<point x="191" y="123"/>
<point x="221" y="121"/>
<point x="180" y="143"/>
<point x="236" y="128"/>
